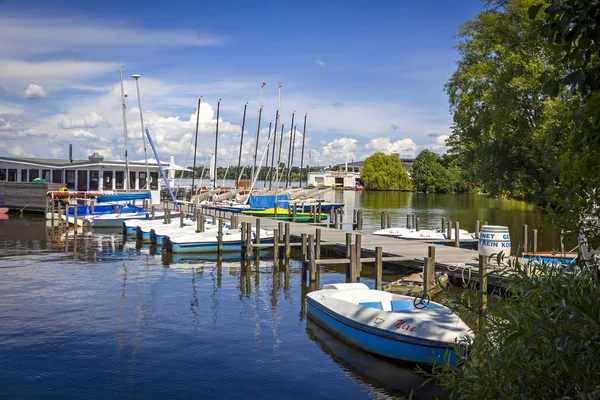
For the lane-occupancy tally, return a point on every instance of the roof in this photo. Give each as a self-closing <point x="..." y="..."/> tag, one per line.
<point x="62" y="163"/>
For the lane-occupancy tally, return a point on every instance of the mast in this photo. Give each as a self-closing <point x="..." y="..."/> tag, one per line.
<point x="274" y="146"/>
<point x="292" y="159"/>
<point x="302" y="156"/>
<point x="257" y="129"/>
<point x="162" y="171"/>
<point x="290" y="150"/>
<point x="279" y="157"/>
<point x="268" y="144"/>
<point x="124" y="107"/>
<point x="137" y="84"/>
<point x="237" y="180"/>
<point x="216" y="142"/>
<point x="196" y="143"/>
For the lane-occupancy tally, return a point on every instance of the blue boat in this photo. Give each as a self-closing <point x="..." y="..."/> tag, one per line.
<point x="390" y="325"/>
<point x="207" y="242"/>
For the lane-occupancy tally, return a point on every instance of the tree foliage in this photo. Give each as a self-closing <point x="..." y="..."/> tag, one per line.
<point x="429" y="175"/>
<point x="537" y="340"/>
<point x="385" y="172"/>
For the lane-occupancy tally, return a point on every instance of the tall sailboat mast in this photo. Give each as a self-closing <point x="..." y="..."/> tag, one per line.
<point x="216" y="144"/>
<point x="289" y="151"/>
<point x="274" y="147"/>
<point x="257" y="129"/>
<point x="237" y="179"/>
<point x="124" y="107"/>
<point x="196" y="143"/>
<point x="302" y="156"/>
<point x="268" y="144"/>
<point x="137" y="84"/>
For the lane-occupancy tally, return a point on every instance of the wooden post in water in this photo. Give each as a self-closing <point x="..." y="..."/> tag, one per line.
<point x="359" y="219"/>
<point x="243" y="239"/>
<point x="93" y="202"/>
<point x="378" y="267"/>
<point x="525" y="238"/>
<point x="449" y="229"/>
<point x="383" y="220"/>
<point x="220" y="237"/>
<point x="303" y="246"/>
<point x="331" y="216"/>
<point x="477" y="229"/>
<point x="358" y="241"/>
<point x="443" y="224"/>
<point x="281" y="231"/>
<point x="319" y="212"/>
<point x="348" y="243"/>
<point x="248" y="240"/>
<point x="153" y="212"/>
<point x="456" y="234"/>
<point x="534" y="240"/>
<point x="482" y="283"/>
<point x="288" y="249"/>
<point x="181" y="219"/>
<point x="350" y="269"/>
<point x="429" y="273"/>
<point x="389" y="221"/>
<point x="75" y="218"/>
<point x="257" y="240"/>
<point x="407" y="221"/>
<point x="354" y="222"/>
<point x="417" y="223"/>
<point x="276" y="245"/>
<point x="312" y="265"/>
<point x="165" y="216"/>
<point x="294" y="210"/>
<point x="413" y="222"/>
<point x="318" y="243"/>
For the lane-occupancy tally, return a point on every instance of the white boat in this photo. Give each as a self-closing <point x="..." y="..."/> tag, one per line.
<point x="130" y="227"/>
<point x="207" y="242"/>
<point x="391" y="325"/>
<point x="423" y="234"/>
<point x="116" y="220"/>
<point x="156" y="234"/>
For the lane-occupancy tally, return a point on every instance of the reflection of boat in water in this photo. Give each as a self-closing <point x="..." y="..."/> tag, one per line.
<point x="391" y="325"/>
<point x="412" y="285"/>
<point x="396" y="378"/>
<point x="552" y="257"/>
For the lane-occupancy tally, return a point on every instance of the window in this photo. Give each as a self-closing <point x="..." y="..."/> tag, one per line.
<point x="108" y="179"/>
<point x="12" y="175"/>
<point x="2" y="175"/>
<point x="154" y="183"/>
<point x="132" y="180"/>
<point x="70" y="179"/>
<point x="57" y="176"/>
<point x="23" y="175"/>
<point x="142" y="176"/>
<point x="94" y="177"/>
<point x="46" y="174"/>
<point x="33" y="174"/>
<point x="119" y="179"/>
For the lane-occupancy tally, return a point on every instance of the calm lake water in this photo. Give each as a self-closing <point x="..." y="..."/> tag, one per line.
<point x="95" y="317"/>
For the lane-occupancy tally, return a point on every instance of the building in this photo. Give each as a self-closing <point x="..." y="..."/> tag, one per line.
<point x="347" y="175"/>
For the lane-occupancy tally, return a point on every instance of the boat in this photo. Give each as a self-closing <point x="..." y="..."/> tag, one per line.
<point x="412" y="285"/>
<point x="207" y="242"/>
<point x="284" y="214"/>
<point x="390" y="325"/>
<point x="156" y="234"/>
<point x="116" y="220"/>
<point x="424" y="234"/>
<point x="552" y="257"/>
<point x="3" y="210"/>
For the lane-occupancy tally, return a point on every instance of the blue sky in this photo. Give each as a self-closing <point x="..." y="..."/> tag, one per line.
<point x="370" y="75"/>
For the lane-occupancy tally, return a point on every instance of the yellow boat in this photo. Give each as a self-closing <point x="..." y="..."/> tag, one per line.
<point x="285" y="215"/>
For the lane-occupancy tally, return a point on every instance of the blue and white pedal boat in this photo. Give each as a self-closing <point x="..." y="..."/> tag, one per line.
<point x="207" y="242"/>
<point x="387" y="324"/>
<point x="130" y="227"/>
<point x="156" y="234"/>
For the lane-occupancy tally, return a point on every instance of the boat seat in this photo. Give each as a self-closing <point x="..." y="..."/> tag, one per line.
<point x="373" y="304"/>
<point x="402" y="305"/>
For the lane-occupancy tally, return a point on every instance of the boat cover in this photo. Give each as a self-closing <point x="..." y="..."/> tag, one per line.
<point x="124" y="197"/>
<point x="263" y="202"/>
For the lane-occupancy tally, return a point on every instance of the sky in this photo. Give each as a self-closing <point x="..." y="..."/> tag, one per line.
<point x="368" y="76"/>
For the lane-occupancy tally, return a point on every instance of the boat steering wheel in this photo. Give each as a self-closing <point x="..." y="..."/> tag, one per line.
<point x="422" y="302"/>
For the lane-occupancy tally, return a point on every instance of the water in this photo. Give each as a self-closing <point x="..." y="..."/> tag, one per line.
<point x="93" y="317"/>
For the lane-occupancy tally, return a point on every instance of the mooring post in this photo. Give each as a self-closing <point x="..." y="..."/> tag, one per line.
<point x="456" y="235"/>
<point x="350" y="270"/>
<point x="319" y="212"/>
<point x="243" y="239"/>
<point x="75" y="218"/>
<point x="417" y="223"/>
<point x="257" y="240"/>
<point x="248" y="240"/>
<point x="331" y="216"/>
<point x="52" y="213"/>
<point x="47" y="209"/>
<point x="534" y="240"/>
<point x="348" y="242"/>
<point x="413" y="221"/>
<point x="383" y="220"/>
<point x="408" y="221"/>
<point x="354" y="223"/>
<point x="561" y="241"/>
<point x="389" y="221"/>
<point x="358" y="241"/>
<point x="93" y="202"/>
<point x="378" y="267"/>
<point x="220" y="237"/>
<point x="341" y="220"/>
<point x="482" y="283"/>
<point x="276" y="245"/>
<point x="525" y="236"/>
<point x="165" y="216"/>
<point x="294" y="207"/>
<point x="312" y="265"/>
<point x="181" y="219"/>
<point x="318" y="243"/>
<point x="359" y="220"/>
<point x="152" y="212"/>
<point x="288" y="249"/>
<point x="449" y="229"/>
<point x="281" y="231"/>
<point x="477" y="229"/>
<point x="443" y="224"/>
<point x="303" y="246"/>
<point x="429" y="270"/>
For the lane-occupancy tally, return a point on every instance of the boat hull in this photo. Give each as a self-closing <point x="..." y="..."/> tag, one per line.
<point x="205" y="247"/>
<point x="378" y="341"/>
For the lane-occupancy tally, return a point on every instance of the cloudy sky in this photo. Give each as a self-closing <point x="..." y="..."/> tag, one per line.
<point x="368" y="75"/>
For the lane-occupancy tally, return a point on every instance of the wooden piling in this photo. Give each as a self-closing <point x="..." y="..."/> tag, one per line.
<point x="443" y="224"/>
<point x="449" y="229"/>
<point x="181" y="219"/>
<point x="288" y="248"/>
<point x="93" y="203"/>
<point x="257" y="240"/>
<point x="281" y="231"/>
<point x="408" y="221"/>
<point x="248" y="240"/>
<point x="220" y="238"/>
<point x="312" y="265"/>
<point x="477" y="229"/>
<point x="429" y="270"/>
<point x="359" y="219"/>
<point x="153" y="212"/>
<point x="303" y="246"/>
<point x="354" y="219"/>
<point x="358" y="241"/>
<point x="319" y="212"/>
<point x="483" y="283"/>
<point x="52" y="205"/>
<point x="350" y="269"/>
<point x="413" y="222"/>
<point x="383" y="220"/>
<point x="456" y="234"/>
<point x="75" y="218"/>
<point x="417" y="223"/>
<point x="165" y="214"/>
<point x="348" y="243"/>
<point x="276" y="244"/>
<point x="525" y="237"/>
<point x="341" y="219"/>
<point x="318" y="243"/>
<point x="534" y="240"/>
<point x="294" y="210"/>
<point x="378" y="267"/>
<point x="389" y="221"/>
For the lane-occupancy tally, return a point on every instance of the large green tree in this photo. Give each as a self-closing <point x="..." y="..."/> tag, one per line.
<point x="428" y="174"/>
<point x="385" y="172"/>
<point x="507" y="134"/>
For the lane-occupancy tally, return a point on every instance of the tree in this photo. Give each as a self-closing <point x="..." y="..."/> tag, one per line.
<point x="428" y="174"/>
<point x="385" y="172"/>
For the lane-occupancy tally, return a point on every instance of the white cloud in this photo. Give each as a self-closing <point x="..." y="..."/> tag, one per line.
<point x="4" y="125"/>
<point x="11" y="109"/>
<point x="82" y="133"/>
<point x="321" y="64"/>
<point x="93" y="120"/>
<point x="34" y="91"/>
<point x="34" y="35"/>
<point x="404" y="147"/>
<point x="440" y="144"/>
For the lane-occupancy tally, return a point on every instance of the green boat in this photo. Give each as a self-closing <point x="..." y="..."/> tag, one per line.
<point x="285" y="215"/>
